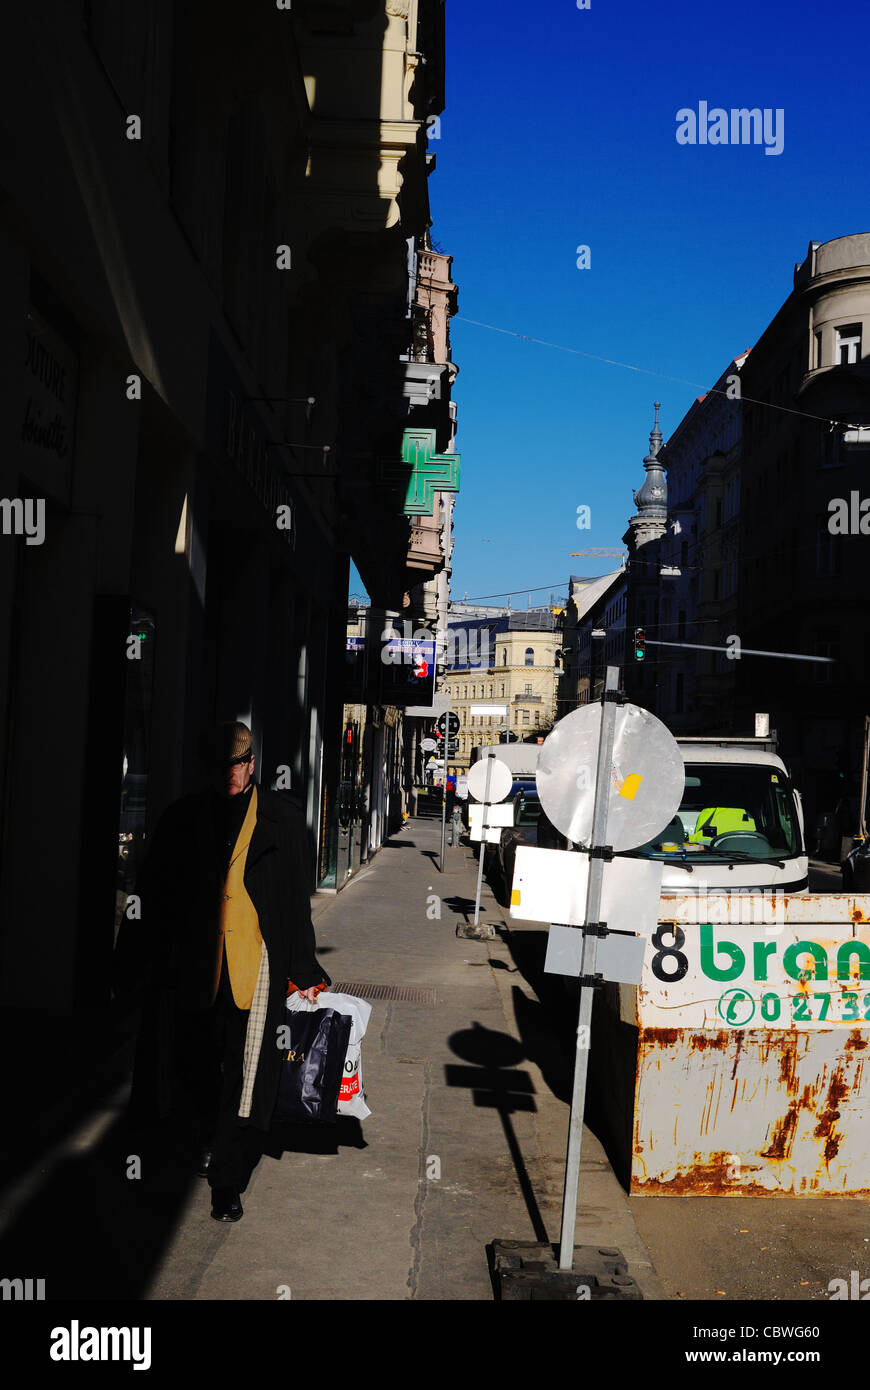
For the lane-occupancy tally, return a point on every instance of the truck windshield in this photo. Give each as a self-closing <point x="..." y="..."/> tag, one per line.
<point x="731" y="810"/>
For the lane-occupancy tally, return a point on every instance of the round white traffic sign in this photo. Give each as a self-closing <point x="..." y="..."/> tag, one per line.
<point x="646" y="781"/>
<point x="501" y="779"/>
<point x="428" y="745"/>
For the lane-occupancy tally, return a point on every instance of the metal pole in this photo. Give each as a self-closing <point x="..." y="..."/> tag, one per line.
<point x="444" y="783"/>
<point x="862" y="828"/>
<point x="484" y="807"/>
<point x="744" y="651"/>
<point x="590" y="951"/>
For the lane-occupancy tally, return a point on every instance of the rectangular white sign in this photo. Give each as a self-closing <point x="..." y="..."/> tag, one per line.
<point x="550" y="886"/>
<point x="496" y="818"/>
<point x="496" y="711"/>
<point x="617" y="957"/>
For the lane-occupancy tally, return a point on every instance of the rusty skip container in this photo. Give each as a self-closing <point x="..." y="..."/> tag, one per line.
<point x="750" y="1033"/>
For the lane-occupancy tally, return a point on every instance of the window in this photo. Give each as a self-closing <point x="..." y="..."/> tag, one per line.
<point x="530" y="656"/>
<point x="829" y="552"/>
<point x="847" y="340"/>
<point x="745" y="797"/>
<point x="504" y="656"/>
<point x="823" y="671"/>
<point x="817" y="348"/>
<point x="528" y="689"/>
<point x="829" y="447"/>
<point x="525" y="716"/>
<point x="502" y="687"/>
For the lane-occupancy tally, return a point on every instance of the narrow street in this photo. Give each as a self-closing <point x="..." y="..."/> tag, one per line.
<point x="467" y="1074"/>
<point x="302" y="364"/>
<point x="465" y="1144"/>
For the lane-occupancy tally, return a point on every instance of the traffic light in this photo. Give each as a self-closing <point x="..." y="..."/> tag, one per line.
<point x="639" y="644"/>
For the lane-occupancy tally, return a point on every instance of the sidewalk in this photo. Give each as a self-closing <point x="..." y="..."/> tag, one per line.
<point x="467" y="1084"/>
<point x="446" y="1168"/>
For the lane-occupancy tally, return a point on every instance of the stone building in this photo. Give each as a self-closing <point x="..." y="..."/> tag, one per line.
<point x="802" y="552"/>
<point x="205" y="223"/>
<point x="504" y="658"/>
<point x="763" y="548"/>
<point x="699" y="561"/>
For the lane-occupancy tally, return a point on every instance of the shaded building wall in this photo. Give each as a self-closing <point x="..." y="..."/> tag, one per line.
<point x="802" y="583"/>
<point x="147" y="270"/>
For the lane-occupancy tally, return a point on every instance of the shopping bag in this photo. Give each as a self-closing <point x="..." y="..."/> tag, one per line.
<point x="351" y="1096"/>
<point x="317" y="1040"/>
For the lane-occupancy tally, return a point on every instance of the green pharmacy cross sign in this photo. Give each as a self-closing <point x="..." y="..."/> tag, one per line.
<point x="421" y="472"/>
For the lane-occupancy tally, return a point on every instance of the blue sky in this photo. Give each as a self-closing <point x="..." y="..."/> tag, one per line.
<point x="560" y="130"/>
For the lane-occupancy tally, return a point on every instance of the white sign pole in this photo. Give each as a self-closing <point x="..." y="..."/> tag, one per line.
<point x="446" y="718"/>
<point x="590" y="947"/>
<point x="483" y="819"/>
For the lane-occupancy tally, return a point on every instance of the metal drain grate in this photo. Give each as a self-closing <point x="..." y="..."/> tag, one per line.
<point x="406" y="994"/>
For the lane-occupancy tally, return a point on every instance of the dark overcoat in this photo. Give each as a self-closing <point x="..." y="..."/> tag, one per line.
<point x="180" y="890"/>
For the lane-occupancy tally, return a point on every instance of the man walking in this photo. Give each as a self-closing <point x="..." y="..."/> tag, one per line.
<point x="224" y="901"/>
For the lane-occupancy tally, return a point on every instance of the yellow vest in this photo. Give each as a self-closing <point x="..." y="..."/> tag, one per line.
<point x="239" y="928"/>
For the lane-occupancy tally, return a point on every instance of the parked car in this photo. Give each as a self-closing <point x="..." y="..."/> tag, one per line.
<point x="856" y="868"/>
<point x="524" y="831"/>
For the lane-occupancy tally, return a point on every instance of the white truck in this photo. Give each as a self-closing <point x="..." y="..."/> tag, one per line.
<point x="740" y="822"/>
<point x="739" y="825"/>
<point x="521" y="758"/>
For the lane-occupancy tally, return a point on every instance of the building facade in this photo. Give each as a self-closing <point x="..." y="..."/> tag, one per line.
<point x="699" y="561"/>
<point x="206" y="325"/>
<point x="803" y="555"/>
<point x="508" y="659"/>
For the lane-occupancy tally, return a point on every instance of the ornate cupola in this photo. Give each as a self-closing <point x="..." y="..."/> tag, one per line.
<point x="651" y="500"/>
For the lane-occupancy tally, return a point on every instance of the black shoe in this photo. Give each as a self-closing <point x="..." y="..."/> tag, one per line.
<point x="203" y="1163"/>
<point x="225" y="1204"/>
